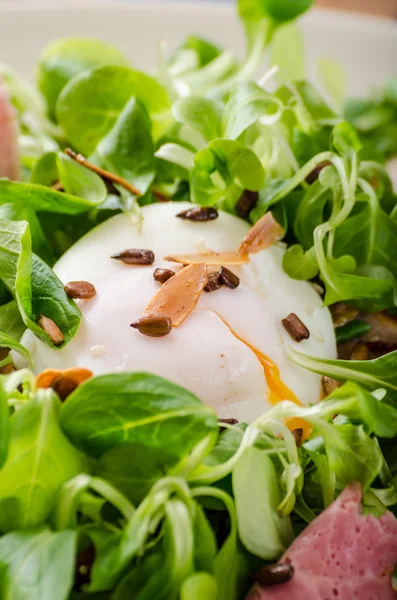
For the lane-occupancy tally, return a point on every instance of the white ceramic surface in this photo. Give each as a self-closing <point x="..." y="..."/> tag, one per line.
<point x="366" y="46"/>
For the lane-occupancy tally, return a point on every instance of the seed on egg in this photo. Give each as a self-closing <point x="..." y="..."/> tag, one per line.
<point x="135" y="256"/>
<point x="153" y="325"/>
<point x="199" y="213"/>
<point x="297" y="330"/>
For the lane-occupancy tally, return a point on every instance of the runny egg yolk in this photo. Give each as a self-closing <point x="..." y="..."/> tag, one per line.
<point x="278" y="390"/>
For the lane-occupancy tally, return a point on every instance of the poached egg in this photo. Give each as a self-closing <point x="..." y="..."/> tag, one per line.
<point x="230" y="351"/>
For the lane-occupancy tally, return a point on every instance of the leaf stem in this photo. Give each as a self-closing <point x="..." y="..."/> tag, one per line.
<point x="112" y="176"/>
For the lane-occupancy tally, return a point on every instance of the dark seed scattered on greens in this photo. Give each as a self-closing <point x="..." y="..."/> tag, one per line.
<point x="153" y="325"/>
<point x="297" y="330"/>
<point x="228" y="278"/>
<point x="360" y="352"/>
<point x="246" y="203"/>
<point x="228" y="421"/>
<point x="274" y="574"/>
<point x="314" y="175"/>
<point x="81" y="290"/>
<point x="52" y="330"/>
<point x="135" y="256"/>
<point x="298" y="433"/>
<point x="163" y="275"/>
<point x="199" y="213"/>
<point x="329" y="385"/>
<point x="213" y="282"/>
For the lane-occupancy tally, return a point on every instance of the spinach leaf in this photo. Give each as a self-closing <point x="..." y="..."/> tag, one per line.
<point x="257" y="496"/>
<point x="350" y="331"/>
<point x="371" y="374"/>
<point x="246" y="105"/>
<point x="40" y="460"/>
<point x="145" y="409"/>
<point x="6" y="341"/>
<point x="204" y="541"/>
<point x="4" y="427"/>
<point x="10" y="320"/>
<point x="199" y="586"/>
<point x="299" y="264"/>
<point x="222" y="171"/>
<point x="201" y="114"/>
<point x="66" y="57"/>
<point x="310" y="214"/>
<point x="79" y="181"/>
<point x="41" y="198"/>
<point x="89" y="105"/>
<point x="38" y="564"/>
<point x="127" y="149"/>
<point x="35" y="287"/>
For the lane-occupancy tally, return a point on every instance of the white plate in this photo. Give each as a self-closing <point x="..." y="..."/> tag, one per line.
<point x="365" y="46"/>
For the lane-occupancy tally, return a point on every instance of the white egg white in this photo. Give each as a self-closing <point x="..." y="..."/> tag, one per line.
<point x="203" y="355"/>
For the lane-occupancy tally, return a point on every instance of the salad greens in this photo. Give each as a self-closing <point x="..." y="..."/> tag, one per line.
<point x="130" y="488"/>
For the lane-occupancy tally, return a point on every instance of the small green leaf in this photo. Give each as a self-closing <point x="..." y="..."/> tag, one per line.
<point x="299" y="264"/>
<point x="334" y="78"/>
<point x="79" y="181"/>
<point x="202" y="114"/>
<point x="10" y="320"/>
<point x="353" y="330"/>
<point x="90" y="104"/>
<point x="345" y="139"/>
<point x="257" y="496"/>
<point x="199" y="586"/>
<point x="287" y="52"/>
<point x="66" y="57"/>
<point x="127" y="149"/>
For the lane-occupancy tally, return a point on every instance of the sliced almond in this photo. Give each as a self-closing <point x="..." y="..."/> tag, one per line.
<point x="179" y="295"/>
<point x="65" y="381"/>
<point x="210" y="258"/>
<point x="52" y="330"/>
<point x="262" y="235"/>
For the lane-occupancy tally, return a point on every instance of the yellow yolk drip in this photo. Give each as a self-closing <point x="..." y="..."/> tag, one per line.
<point x="278" y="390"/>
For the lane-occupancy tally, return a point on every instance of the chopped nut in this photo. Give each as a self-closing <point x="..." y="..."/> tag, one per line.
<point x="209" y="258"/>
<point x="343" y="313"/>
<point x="52" y="330"/>
<point x="314" y="175"/>
<point x="179" y="295"/>
<point x="153" y="325"/>
<point x="298" y="434"/>
<point x="63" y="382"/>
<point x="213" y="282"/>
<point x="135" y="256"/>
<point x="297" y="330"/>
<point x="360" y="352"/>
<point x="275" y="574"/>
<point x="246" y="203"/>
<point x="163" y="275"/>
<point x="199" y="213"/>
<point x="228" y="421"/>
<point x="329" y="385"/>
<point x="262" y="235"/>
<point x="228" y="278"/>
<point x="81" y="290"/>
<point x="7" y="369"/>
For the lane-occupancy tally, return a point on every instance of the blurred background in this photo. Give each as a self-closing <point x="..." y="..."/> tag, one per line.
<point x="387" y="8"/>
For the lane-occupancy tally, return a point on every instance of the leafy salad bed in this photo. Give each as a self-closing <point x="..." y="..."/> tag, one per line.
<point x="129" y="488"/>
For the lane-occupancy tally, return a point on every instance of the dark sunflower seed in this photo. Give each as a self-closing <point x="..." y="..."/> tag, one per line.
<point x="163" y="275"/>
<point x="52" y="330"/>
<point x="360" y="352"/>
<point x="329" y="385"/>
<point x="297" y="330"/>
<point x="81" y="290"/>
<point x="313" y="176"/>
<point x="213" y="282"/>
<point x="228" y="421"/>
<point x="274" y="574"/>
<point x="153" y="325"/>
<point x="228" y="278"/>
<point x="298" y="433"/>
<point x="246" y="203"/>
<point x="135" y="256"/>
<point x="199" y="213"/>
<point x="64" y="386"/>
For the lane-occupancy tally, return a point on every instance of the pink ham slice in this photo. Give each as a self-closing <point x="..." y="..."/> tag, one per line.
<point x="342" y="555"/>
<point x="9" y="154"/>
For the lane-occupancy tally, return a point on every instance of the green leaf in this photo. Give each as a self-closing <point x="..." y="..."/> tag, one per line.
<point x="222" y="171"/>
<point x="79" y="181"/>
<point x="310" y="213"/>
<point x="6" y="341"/>
<point x="41" y="198"/>
<point x="193" y="53"/>
<point x="144" y="409"/>
<point x="199" y="586"/>
<point x="32" y="283"/>
<point x="40" y="460"/>
<point x="371" y="374"/>
<point x="4" y="427"/>
<point x="345" y="139"/>
<point x="66" y="57"/>
<point x="135" y="582"/>
<point x="287" y="52"/>
<point x="353" y="330"/>
<point x="127" y="149"/>
<point x="247" y="104"/>
<point x="204" y="541"/>
<point x="299" y="264"/>
<point x="279" y="10"/>
<point x="38" y="564"/>
<point x="90" y="104"/>
<point x="45" y="170"/>
<point x="257" y="496"/>
<point x="201" y="114"/>
<point x="10" y="320"/>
